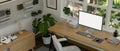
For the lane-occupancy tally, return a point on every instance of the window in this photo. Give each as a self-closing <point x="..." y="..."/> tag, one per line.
<point x="97" y="11"/>
<point x="74" y="7"/>
<point x="115" y="15"/>
<point x="109" y="9"/>
<point x="97" y="7"/>
<point x="116" y="4"/>
<point x="98" y="2"/>
<point x="115" y="19"/>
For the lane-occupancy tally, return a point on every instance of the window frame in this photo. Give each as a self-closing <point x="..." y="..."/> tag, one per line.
<point x="108" y="9"/>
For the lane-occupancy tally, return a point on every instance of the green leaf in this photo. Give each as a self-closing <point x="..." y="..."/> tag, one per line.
<point x="42" y="24"/>
<point x="43" y="27"/>
<point x="66" y="10"/>
<point x="35" y="26"/>
<point x="51" y="21"/>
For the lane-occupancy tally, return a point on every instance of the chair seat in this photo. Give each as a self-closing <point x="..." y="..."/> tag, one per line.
<point x="71" y="48"/>
<point x="59" y="47"/>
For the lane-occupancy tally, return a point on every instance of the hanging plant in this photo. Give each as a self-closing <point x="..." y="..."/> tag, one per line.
<point x="67" y="11"/>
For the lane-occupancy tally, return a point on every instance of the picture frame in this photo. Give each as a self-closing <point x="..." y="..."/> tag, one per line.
<point x="52" y="4"/>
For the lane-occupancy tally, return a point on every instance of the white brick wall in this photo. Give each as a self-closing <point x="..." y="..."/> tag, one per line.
<point x="13" y="28"/>
<point x="10" y="27"/>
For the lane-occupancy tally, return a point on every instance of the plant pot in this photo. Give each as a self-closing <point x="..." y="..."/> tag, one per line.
<point x="115" y="34"/>
<point x="46" y="40"/>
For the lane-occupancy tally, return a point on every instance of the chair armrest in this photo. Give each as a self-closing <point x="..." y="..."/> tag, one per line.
<point x="62" y="39"/>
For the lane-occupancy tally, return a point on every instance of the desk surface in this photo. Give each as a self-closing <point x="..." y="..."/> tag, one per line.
<point x="66" y="31"/>
<point x="21" y="42"/>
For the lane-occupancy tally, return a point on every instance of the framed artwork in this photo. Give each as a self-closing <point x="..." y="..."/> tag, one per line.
<point x="51" y="4"/>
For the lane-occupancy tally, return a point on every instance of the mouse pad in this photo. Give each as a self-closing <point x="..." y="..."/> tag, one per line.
<point x="98" y="40"/>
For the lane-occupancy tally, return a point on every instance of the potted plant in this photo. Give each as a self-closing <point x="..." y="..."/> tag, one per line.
<point x="117" y="26"/>
<point x="35" y="24"/>
<point x="67" y="11"/>
<point x="41" y="25"/>
<point x="45" y="22"/>
<point x="115" y="34"/>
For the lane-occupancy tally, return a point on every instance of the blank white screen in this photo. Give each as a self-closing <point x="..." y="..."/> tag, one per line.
<point x="90" y="20"/>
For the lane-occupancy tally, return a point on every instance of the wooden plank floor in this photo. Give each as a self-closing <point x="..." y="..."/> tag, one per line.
<point x="39" y="43"/>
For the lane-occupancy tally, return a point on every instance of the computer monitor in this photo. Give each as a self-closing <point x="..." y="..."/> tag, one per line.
<point x="90" y="20"/>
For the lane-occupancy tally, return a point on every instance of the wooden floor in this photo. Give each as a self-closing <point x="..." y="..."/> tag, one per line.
<point x="39" y="43"/>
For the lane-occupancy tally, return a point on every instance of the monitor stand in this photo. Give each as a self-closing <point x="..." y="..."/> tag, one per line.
<point x="89" y="30"/>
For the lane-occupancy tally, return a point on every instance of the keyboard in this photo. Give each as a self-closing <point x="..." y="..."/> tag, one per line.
<point x="95" y="39"/>
<point x="85" y="34"/>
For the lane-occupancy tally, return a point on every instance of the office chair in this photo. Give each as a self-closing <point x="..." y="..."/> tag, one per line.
<point x="58" y="46"/>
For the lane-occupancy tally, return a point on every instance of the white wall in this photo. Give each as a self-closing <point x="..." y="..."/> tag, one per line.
<point x="58" y="14"/>
<point x="11" y="26"/>
<point x="55" y="13"/>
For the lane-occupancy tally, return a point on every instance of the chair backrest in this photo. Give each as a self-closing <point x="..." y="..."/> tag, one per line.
<point x="57" y="44"/>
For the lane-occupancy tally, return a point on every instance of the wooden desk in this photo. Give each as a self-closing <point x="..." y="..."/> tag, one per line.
<point x="63" y="29"/>
<point x="24" y="42"/>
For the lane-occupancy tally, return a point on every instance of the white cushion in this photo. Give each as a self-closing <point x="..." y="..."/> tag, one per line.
<point x="71" y="48"/>
<point x="59" y="47"/>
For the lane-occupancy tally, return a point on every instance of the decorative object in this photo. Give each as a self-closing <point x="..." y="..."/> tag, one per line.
<point x="51" y="4"/>
<point x="46" y="40"/>
<point x="35" y="2"/>
<point x="20" y="7"/>
<point x="12" y="37"/>
<point x="67" y="11"/>
<point x="117" y="26"/>
<point x="46" y="22"/>
<point x="19" y="26"/>
<point x="41" y="25"/>
<point x="5" y="40"/>
<point x="8" y="12"/>
<point x="35" y="25"/>
<point x="35" y="13"/>
<point x="39" y="11"/>
<point x="36" y="22"/>
<point x="5" y="15"/>
<point x="113" y="40"/>
<point x="115" y="34"/>
<point x="73" y="23"/>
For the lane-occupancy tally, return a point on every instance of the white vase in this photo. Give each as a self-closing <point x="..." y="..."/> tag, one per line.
<point x="46" y="40"/>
